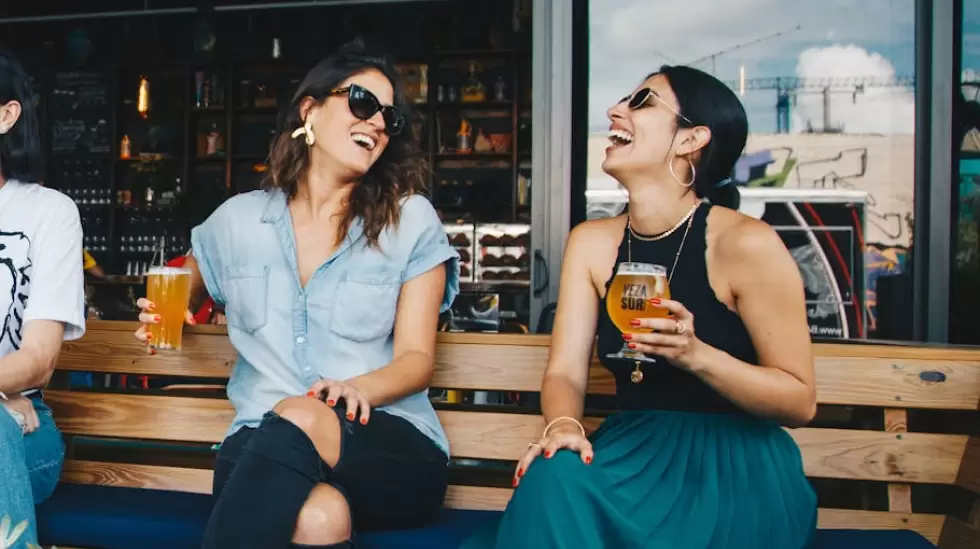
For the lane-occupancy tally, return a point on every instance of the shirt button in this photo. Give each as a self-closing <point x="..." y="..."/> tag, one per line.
<point x="301" y="340"/>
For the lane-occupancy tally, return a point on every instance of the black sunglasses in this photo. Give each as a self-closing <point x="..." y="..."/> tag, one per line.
<point x="363" y="104"/>
<point x="642" y="96"/>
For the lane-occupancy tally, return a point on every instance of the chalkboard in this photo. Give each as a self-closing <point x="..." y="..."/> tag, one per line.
<point x="80" y="112"/>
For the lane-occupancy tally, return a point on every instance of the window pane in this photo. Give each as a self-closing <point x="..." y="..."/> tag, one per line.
<point x="829" y="92"/>
<point x="964" y="324"/>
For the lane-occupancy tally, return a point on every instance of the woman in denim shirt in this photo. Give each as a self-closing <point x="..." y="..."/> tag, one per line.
<point x="333" y="278"/>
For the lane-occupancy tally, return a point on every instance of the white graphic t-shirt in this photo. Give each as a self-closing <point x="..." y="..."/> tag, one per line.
<point x="40" y="262"/>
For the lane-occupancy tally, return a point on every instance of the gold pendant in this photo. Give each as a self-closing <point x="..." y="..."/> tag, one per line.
<point x="636" y="376"/>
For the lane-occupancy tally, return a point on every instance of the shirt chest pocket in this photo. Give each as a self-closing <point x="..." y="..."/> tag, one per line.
<point x="364" y="308"/>
<point x="248" y="294"/>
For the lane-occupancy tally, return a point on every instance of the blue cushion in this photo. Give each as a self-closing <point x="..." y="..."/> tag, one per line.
<point x="122" y="518"/>
<point x="126" y="518"/>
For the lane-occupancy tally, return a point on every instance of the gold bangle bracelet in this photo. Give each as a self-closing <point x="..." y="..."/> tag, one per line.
<point x="563" y="418"/>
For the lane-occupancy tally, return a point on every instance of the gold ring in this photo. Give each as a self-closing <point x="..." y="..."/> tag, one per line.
<point x="681" y="327"/>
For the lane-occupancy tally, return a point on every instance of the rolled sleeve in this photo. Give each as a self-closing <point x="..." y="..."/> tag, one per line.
<point x="58" y="282"/>
<point x="431" y="248"/>
<point x="206" y="249"/>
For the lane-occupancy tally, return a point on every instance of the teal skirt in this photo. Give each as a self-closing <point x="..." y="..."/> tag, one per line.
<point x="664" y="480"/>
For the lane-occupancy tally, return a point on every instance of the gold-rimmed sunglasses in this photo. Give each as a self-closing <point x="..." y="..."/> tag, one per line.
<point x="640" y="97"/>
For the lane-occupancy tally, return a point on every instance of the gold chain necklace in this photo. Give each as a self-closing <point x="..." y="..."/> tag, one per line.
<point x="636" y="376"/>
<point x="663" y="235"/>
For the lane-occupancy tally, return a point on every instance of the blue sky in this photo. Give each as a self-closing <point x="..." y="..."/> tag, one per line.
<point x="836" y="38"/>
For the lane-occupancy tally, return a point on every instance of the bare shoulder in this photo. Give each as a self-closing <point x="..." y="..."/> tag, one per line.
<point x="739" y="237"/>
<point x="597" y="232"/>
<point x="592" y="249"/>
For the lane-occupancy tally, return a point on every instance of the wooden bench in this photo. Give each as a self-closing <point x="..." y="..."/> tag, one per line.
<point x="893" y="378"/>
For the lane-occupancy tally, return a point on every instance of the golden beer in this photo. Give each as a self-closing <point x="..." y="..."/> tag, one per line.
<point x="630" y="292"/>
<point x="169" y="288"/>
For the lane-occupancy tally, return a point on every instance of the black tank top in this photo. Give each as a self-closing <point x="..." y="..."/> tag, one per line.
<point x="665" y="386"/>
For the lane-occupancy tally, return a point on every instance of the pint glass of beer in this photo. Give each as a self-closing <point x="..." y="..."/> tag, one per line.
<point x="169" y="288"/>
<point x="634" y="285"/>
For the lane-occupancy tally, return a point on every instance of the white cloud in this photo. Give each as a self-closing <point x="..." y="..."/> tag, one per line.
<point x="630" y="38"/>
<point x="876" y="110"/>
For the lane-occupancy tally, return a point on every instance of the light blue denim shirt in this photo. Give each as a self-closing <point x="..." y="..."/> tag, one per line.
<point x="339" y="326"/>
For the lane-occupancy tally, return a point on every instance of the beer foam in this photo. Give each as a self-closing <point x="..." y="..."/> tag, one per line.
<point x="167" y="270"/>
<point x="641" y="269"/>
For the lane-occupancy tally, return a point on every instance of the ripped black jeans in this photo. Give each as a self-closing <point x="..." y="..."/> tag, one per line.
<point x="393" y="476"/>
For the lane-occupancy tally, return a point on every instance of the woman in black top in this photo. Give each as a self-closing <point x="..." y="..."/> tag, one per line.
<point x="697" y="458"/>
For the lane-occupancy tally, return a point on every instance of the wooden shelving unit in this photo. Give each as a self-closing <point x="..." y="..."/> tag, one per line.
<point x="169" y="182"/>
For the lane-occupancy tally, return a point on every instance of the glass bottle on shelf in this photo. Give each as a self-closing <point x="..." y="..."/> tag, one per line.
<point x="473" y="91"/>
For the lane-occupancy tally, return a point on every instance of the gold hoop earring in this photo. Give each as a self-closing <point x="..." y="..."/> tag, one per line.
<point x="305" y="130"/>
<point x="670" y="166"/>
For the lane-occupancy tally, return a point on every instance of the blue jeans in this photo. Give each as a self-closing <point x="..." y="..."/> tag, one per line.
<point x="29" y="469"/>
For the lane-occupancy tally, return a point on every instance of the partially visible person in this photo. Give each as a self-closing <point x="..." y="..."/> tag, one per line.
<point x="91" y="266"/>
<point x="42" y="303"/>
<point x="697" y="457"/>
<point x="208" y="312"/>
<point x="333" y="277"/>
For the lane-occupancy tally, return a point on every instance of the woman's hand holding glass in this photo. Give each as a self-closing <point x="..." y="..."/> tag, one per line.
<point x="148" y="315"/>
<point x="673" y="337"/>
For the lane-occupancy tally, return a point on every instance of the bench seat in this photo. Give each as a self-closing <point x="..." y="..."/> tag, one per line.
<point x="104" y="517"/>
<point x="135" y="476"/>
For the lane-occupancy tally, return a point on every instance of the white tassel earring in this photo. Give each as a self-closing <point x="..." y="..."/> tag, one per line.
<point x="305" y="130"/>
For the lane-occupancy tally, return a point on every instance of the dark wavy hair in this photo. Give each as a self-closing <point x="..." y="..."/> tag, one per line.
<point x="707" y="101"/>
<point x="20" y="147"/>
<point x="399" y="171"/>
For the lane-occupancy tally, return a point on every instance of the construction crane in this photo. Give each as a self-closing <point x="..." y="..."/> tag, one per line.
<point x="789" y="87"/>
<point x="713" y="56"/>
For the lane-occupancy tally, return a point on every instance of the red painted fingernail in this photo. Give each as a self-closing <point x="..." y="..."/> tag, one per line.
<point x="331" y="402"/>
<point x="547" y="454"/>
<point x="156" y="318"/>
<point x="350" y="416"/>
<point x="311" y="393"/>
<point x="363" y="421"/>
<point x="514" y="482"/>
<point x="520" y="473"/>
<point x="588" y="461"/>
<point x="631" y="345"/>
<point x="151" y="306"/>
<point x="635" y="322"/>
<point x="149" y="336"/>
<point x="655" y="301"/>
<point x="153" y="351"/>
<point x="627" y="337"/>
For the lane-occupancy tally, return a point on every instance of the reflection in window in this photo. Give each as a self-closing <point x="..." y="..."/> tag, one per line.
<point x="964" y="325"/>
<point x="829" y="162"/>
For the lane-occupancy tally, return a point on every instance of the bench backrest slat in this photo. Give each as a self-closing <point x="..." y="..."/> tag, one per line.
<point x="948" y="382"/>
<point x="828" y="453"/>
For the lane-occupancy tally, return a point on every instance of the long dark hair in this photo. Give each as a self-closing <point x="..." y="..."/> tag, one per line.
<point x="20" y="147"/>
<point x="398" y="172"/>
<point x="706" y="101"/>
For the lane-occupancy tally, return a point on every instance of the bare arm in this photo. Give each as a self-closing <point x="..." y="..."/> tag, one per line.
<point x="567" y="375"/>
<point x="199" y="292"/>
<point x="32" y="365"/>
<point x="770" y="299"/>
<point x="416" y="324"/>
<point x="55" y="309"/>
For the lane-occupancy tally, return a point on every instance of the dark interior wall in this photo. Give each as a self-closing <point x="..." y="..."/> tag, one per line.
<point x="402" y="29"/>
